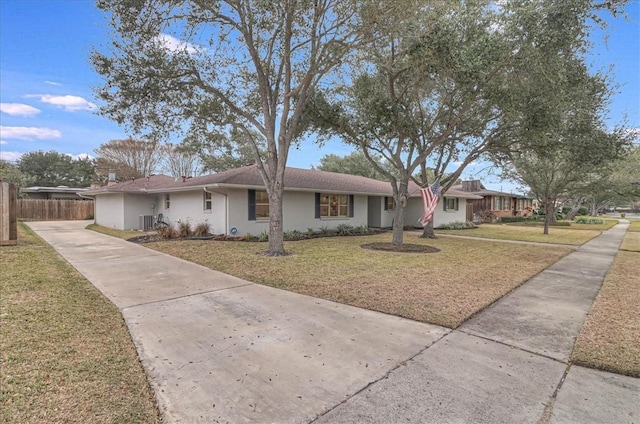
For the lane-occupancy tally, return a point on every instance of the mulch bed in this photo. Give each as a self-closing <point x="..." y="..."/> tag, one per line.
<point x="403" y="248"/>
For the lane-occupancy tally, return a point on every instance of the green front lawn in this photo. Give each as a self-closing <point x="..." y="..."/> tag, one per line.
<point x="123" y="234"/>
<point x="443" y="288"/>
<point x="65" y="352"/>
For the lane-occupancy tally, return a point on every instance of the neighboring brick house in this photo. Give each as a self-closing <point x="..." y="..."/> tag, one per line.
<point x="494" y="204"/>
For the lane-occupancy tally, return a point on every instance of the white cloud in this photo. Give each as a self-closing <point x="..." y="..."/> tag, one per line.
<point x="29" y="133"/>
<point x="69" y="103"/>
<point x="18" y="109"/>
<point x="10" y="156"/>
<point x="471" y="164"/>
<point x="2" y="142"/>
<point x="57" y="84"/>
<point x="172" y="44"/>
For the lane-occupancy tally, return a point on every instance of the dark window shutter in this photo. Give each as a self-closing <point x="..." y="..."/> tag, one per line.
<point x="252" y="205"/>
<point x="351" y="206"/>
<point x="386" y="203"/>
<point x="317" y="205"/>
<point x="444" y="204"/>
<point x="457" y="203"/>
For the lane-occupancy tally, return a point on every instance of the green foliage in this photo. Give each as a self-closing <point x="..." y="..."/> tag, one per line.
<point x="263" y="236"/>
<point x="344" y="230"/>
<point x="356" y="163"/>
<point x="458" y="225"/>
<point x="52" y="169"/>
<point x="294" y="235"/>
<point x="10" y="173"/>
<point x="588" y="220"/>
<point x="507" y="219"/>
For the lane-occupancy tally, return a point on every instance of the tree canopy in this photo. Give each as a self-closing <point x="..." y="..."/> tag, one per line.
<point x="205" y="69"/>
<point x="129" y="158"/>
<point x="52" y="169"/>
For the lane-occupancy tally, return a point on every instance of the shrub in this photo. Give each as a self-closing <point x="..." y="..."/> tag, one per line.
<point x="506" y="219"/>
<point x="294" y="235"/>
<point x="344" y="229"/>
<point x="184" y="229"/>
<point x="588" y="220"/>
<point x="263" y="236"/>
<point x="167" y="232"/>
<point x="324" y="229"/>
<point x="361" y="229"/>
<point x="458" y="225"/>
<point x="202" y="229"/>
<point x="310" y="231"/>
<point x="487" y="216"/>
<point x="249" y="237"/>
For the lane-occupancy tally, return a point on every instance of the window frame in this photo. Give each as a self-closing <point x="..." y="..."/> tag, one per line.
<point x="325" y="203"/>
<point x="167" y="201"/>
<point x="262" y="203"/>
<point x="207" y="201"/>
<point x="454" y="207"/>
<point x="389" y="204"/>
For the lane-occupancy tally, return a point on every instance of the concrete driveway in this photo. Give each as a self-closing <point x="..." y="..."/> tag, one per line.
<point x="220" y="349"/>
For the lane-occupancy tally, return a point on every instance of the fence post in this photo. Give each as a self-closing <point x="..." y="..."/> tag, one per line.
<point x="8" y="214"/>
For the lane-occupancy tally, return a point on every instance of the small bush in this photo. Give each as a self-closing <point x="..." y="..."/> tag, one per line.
<point x="202" y="229"/>
<point x="487" y="216"/>
<point x="458" y="225"/>
<point x="344" y="229"/>
<point x="249" y="237"/>
<point x="361" y="229"/>
<point x="324" y="229"/>
<point x="294" y="235"/>
<point x="167" y="232"/>
<point x="310" y="231"/>
<point x="263" y="236"/>
<point x="184" y="229"/>
<point x="507" y="219"/>
<point x="588" y="220"/>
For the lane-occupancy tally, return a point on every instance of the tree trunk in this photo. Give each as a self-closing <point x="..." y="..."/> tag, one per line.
<point x="398" y="223"/>
<point x="549" y="216"/>
<point x="276" y="233"/>
<point x="572" y="213"/>
<point x="427" y="231"/>
<point x="399" y="214"/>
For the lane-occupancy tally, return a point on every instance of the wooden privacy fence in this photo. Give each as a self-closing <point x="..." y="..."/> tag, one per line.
<point x="54" y="209"/>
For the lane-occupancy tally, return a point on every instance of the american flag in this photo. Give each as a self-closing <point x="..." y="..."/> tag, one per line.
<point x="429" y="201"/>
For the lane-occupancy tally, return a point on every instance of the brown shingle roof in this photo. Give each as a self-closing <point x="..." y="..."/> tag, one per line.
<point x="248" y="176"/>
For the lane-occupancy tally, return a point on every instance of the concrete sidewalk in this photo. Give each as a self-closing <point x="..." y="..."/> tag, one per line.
<point x="220" y="349"/>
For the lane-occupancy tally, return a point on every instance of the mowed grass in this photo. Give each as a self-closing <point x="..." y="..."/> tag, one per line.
<point x="608" y="223"/>
<point x="65" y="352"/>
<point x="559" y="235"/>
<point x="443" y="288"/>
<point x="610" y="337"/>
<point x="634" y="225"/>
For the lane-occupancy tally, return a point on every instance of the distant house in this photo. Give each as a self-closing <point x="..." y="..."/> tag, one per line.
<point x="493" y="204"/>
<point x="235" y="202"/>
<point x="57" y="193"/>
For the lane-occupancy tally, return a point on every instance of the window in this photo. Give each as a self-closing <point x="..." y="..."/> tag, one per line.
<point x="389" y="204"/>
<point x="167" y="201"/>
<point x="450" y="203"/>
<point x="207" y="201"/>
<point x="335" y="205"/>
<point x="506" y="205"/>
<point x="520" y="204"/>
<point x="496" y="203"/>
<point x="258" y="205"/>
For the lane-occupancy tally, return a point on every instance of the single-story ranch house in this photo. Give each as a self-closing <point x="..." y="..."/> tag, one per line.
<point x="235" y="202"/>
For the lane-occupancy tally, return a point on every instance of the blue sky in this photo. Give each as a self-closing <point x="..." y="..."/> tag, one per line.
<point x="46" y="81"/>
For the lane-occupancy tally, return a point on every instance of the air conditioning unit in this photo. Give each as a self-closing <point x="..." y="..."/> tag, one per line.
<point x="145" y="222"/>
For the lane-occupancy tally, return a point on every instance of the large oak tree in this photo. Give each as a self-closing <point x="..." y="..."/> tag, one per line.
<point x="208" y="68"/>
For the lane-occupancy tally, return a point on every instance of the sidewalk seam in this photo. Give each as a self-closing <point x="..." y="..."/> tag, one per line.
<point x="384" y="377"/>
<point x="184" y="296"/>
